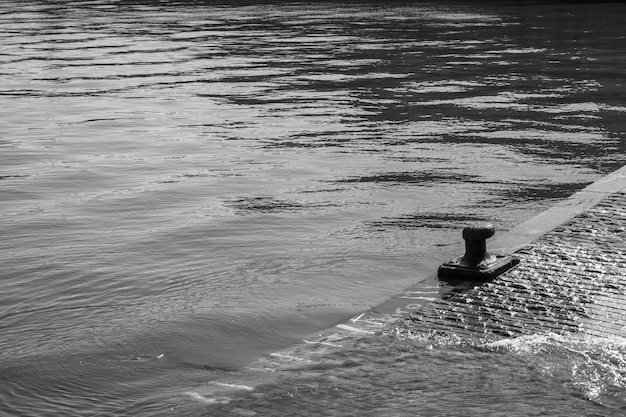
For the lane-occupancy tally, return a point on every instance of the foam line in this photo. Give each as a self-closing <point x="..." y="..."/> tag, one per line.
<point x="354" y="320"/>
<point x="290" y="357"/>
<point x="321" y="343"/>
<point x="242" y="387"/>
<point x="354" y="329"/>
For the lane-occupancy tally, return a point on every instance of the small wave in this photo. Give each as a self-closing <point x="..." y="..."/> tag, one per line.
<point x="594" y="365"/>
<point x="208" y="400"/>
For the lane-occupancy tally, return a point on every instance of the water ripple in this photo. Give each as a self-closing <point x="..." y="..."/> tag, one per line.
<point x="211" y="182"/>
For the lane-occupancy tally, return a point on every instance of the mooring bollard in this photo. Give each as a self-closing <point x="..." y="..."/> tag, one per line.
<point x="477" y="263"/>
<point x="476" y="243"/>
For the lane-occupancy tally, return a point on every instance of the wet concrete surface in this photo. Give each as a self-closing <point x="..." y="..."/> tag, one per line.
<point x="571" y="279"/>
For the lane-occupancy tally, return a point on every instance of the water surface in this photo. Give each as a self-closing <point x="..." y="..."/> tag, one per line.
<point x="186" y="186"/>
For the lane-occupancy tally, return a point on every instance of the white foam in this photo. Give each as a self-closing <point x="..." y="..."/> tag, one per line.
<point x="210" y="400"/>
<point x="354" y="329"/>
<point x="236" y="386"/>
<point x="308" y="342"/>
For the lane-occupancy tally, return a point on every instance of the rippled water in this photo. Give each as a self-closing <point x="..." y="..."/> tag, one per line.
<point x="185" y="186"/>
<point x="425" y="376"/>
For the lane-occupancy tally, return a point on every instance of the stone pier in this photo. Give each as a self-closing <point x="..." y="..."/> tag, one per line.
<point x="571" y="278"/>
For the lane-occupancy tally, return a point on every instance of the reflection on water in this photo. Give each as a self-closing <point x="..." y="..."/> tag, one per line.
<point x="185" y="186"/>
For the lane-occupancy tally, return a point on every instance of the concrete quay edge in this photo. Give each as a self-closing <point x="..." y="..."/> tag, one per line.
<point x="428" y="289"/>
<point x="413" y="298"/>
<point x="558" y="214"/>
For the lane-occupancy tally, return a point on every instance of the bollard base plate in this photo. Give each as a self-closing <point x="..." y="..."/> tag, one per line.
<point x="457" y="270"/>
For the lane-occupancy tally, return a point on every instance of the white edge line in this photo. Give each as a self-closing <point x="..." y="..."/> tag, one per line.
<point x="420" y="292"/>
<point x="224" y="384"/>
<point x="217" y="400"/>
<point x="354" y="320"/>
<point x="321" y="343"/>
<point x="418" y="298"/>
<point x="354" y="329"/>
<point x="290" y="357"/>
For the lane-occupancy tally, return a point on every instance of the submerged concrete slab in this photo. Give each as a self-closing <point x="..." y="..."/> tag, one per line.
<point x="576" y="204"/>
<point x="612" y="183"/>
<point x="571" y="278"/>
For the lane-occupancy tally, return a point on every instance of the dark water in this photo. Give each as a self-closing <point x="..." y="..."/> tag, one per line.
<point x="186" y="186"/>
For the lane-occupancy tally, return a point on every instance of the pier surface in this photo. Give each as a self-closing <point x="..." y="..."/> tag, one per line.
<point x="571" y="279"/>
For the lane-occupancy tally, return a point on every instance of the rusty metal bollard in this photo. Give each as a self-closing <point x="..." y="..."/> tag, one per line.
<point x="477" y="263"/>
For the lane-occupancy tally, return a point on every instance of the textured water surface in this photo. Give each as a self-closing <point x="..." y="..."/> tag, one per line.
<point x="436" y="375"/>
<point x="186" y="186"/>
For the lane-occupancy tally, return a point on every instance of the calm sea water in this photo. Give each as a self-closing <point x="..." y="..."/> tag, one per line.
<point x="186" y="186"/>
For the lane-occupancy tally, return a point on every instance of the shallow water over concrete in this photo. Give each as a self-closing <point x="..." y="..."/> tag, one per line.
<point x="560" y="311"/>
<point x="570" y="280"/>
<point x="453" y="376"/>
